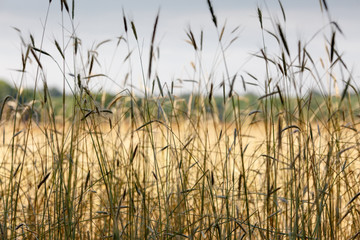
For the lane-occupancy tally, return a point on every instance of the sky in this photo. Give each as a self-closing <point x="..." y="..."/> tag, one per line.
<point x="96" y="21"/>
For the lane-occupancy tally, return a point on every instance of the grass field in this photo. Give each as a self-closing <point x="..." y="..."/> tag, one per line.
<point x="209" y="166"/>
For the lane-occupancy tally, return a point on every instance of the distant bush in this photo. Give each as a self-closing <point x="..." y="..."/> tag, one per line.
<point x="54" y="92"/>
<point x="6" y="89"/>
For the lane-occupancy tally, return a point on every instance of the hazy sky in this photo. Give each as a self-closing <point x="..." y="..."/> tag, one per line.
<point x="96" y="21"/>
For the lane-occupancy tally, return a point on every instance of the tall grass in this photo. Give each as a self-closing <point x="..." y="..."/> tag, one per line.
<point x="159" y="166"/>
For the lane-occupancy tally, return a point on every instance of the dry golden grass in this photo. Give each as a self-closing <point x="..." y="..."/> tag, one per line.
<point x="190" y="174"/>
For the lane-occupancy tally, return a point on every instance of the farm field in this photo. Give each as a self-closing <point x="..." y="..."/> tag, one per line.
<point x="188" y="176"/>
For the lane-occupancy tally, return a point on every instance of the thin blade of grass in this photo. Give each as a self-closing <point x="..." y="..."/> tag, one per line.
<point x="332" y="47"/>
<point x="353" y="199"/>
<point x="152" y="44"/>
<point x="283" y="39"/>
<point x="212" y="12"/>
<point x="134" y="30"/>
<point x="59" y="49"/>
<point x="43" y="180"/>
<point x="282" y="10"/>
<point x="260" y="17"/>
